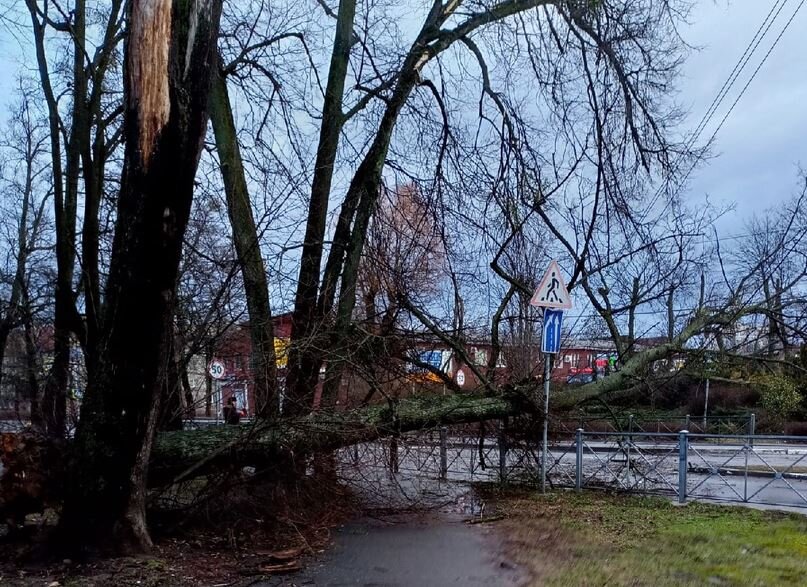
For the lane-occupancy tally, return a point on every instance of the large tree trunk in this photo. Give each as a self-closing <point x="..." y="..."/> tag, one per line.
<point x="247" y="247"/>
<point x="169" y="54"/>
<point x="305" y="355"/>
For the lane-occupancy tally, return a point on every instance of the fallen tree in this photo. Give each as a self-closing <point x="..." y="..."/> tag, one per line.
<point x="181" y="455"/>
<point x="33" y="475"/>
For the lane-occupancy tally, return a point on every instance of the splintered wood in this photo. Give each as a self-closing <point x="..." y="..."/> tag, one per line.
<point x="149" y="42"/>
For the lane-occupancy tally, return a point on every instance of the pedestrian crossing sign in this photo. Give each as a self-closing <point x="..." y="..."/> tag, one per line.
<point x="551" y="292"/>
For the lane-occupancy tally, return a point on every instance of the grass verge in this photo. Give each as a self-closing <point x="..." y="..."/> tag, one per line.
<point x="601" y="539"/>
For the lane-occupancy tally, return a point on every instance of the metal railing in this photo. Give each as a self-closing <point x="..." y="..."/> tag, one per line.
<point x="724" y="424"/>
<point x="755" y="469"/>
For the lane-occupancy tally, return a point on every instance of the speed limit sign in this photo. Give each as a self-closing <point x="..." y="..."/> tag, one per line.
<point x="216" y="369"/>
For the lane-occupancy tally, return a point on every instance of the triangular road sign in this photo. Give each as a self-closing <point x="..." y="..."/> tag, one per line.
<point x="551" y="292"/>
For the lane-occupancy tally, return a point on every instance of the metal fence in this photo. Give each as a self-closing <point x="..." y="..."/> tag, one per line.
<point x="754" y="469"/>
<point x="729" y="424"/>
<point x="450" y="454"/>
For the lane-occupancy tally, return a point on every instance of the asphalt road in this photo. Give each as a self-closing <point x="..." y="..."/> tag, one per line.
<point x="430" y="546"/>
<point x="415" y="550"/>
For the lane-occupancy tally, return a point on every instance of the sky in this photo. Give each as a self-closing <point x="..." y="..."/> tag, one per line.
<point x="758" y="150"/>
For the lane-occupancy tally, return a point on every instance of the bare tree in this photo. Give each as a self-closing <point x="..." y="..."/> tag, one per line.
<point x="26" y="192"/>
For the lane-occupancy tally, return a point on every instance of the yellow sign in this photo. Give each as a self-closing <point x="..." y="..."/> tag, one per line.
<point x="281" y="352"/>
<point x="425" y="377"/>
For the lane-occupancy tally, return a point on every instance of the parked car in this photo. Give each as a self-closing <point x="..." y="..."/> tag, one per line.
<point x="580" y="378"/>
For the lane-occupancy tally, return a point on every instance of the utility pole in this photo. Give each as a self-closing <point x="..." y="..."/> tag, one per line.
<point x="706" y="405"/>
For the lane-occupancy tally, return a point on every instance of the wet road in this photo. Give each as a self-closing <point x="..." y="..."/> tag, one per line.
<point x="430" y="545"/>
<point x="417" y="550"/>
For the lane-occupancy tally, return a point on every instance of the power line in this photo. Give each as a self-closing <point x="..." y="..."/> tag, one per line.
<point x="733" y="76"/>
<point x="751" y="79"/>
<point x="750" y="49"/>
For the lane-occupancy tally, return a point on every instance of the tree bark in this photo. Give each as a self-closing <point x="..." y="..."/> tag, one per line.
<point x="190" y="453"/>
<point x="169" y="53"/>
<point x="304" y="354"/>
<point x="247" y="247"/>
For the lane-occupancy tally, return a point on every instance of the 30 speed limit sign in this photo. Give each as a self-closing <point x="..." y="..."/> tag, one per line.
<point x="216" y="369"/>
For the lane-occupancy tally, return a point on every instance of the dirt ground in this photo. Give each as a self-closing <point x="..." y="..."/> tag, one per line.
<point x="236" y="543"/>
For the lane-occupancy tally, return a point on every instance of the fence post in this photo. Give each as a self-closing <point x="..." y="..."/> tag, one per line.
<point x="752" y="428"/>
<point x="683" y="450"/>
<point x="686" y="424"/>
<point x="503" y="451"/>
<point x="393" y="454"/>
<point x="443" y="452"/>
<point x="630" y="423"/>
<point x="578" y="469"/>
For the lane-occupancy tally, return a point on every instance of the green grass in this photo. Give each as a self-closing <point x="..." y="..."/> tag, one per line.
<point x="597" y="539"/>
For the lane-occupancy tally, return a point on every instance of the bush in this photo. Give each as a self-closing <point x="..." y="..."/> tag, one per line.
<point x="779" y="395"/>
<point x="723" y="399"/>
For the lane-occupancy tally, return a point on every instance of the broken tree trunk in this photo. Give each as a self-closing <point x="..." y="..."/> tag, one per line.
<point x="170" y="51"/>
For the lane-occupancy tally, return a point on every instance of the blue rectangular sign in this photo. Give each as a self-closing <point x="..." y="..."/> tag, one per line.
<point x="550" y="338"/>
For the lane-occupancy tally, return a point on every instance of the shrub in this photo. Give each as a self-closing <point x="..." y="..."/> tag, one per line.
<point x="779" y="395"/>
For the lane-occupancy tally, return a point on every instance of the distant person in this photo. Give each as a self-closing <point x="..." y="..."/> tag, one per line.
<point x="231" y="413"/>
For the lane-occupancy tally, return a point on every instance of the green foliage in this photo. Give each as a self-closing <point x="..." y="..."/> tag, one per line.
<point x="779" y="395"/>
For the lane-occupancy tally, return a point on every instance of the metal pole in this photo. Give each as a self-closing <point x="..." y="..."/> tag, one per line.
<point x="393" y="454"/>
<point x="578" y="471"/>
<point x="547" y="359"/>
<point x="218" y="400"/>
<point x="752" y="424"/>
<point x="443" y="452"/>
<point x="630" y="443"/>
<point x="683" y="449"/>
<point x="746" y="450"/>
<point x="503" y="451"/>
<point x="705" y="406"/>
<point x="686" y="423"/>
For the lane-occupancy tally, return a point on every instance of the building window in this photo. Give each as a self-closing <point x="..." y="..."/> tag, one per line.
<point x="480" y="357"/>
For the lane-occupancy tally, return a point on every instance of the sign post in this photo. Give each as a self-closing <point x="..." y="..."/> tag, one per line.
<point x="552" y="295"/>
<point x="216" y="370"/>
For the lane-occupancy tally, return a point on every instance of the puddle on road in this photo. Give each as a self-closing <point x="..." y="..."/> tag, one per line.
<point x="427" y="545"/>
<point x="414" y="534"/>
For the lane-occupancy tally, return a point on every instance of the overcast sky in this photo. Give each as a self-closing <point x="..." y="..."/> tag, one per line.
<point x="763" y="142"/>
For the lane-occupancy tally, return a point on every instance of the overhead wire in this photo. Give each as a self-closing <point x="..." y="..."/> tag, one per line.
<point x="744" y="59"/>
